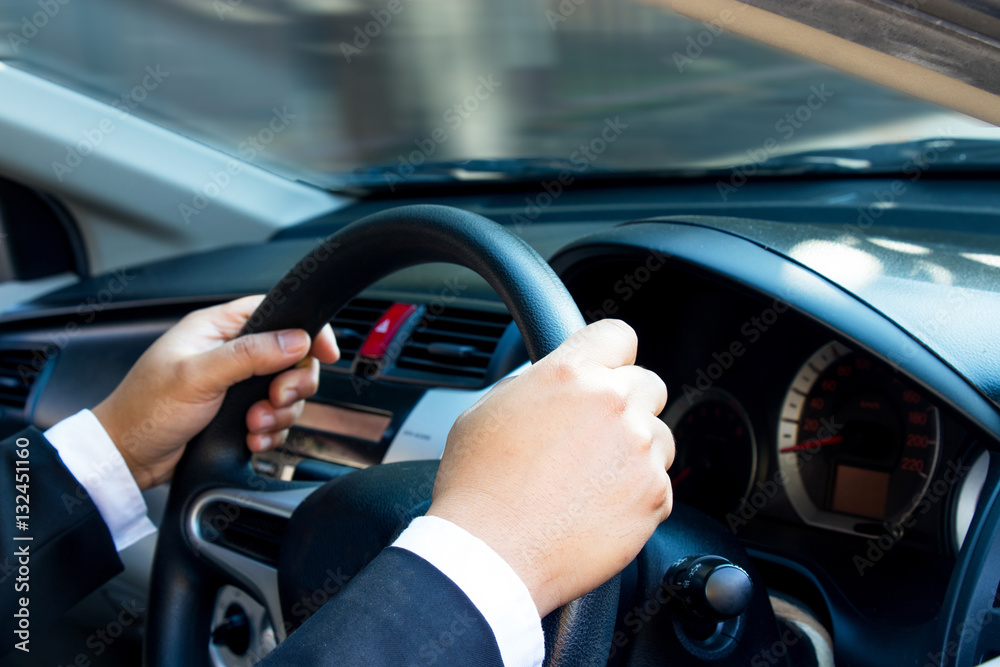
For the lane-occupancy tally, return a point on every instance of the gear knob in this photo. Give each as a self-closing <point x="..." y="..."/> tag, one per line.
<point x="707" y="588"/>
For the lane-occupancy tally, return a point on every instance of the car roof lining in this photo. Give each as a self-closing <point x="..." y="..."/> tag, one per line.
<point x="890" y="43"/>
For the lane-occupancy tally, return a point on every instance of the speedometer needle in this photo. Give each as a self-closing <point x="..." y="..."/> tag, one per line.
<point x="808" y="444"/>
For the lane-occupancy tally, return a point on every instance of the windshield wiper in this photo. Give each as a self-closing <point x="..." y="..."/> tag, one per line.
<point x="466" y="170"/>
<point x="924" y="154"/>
<point x="936" y="154"/>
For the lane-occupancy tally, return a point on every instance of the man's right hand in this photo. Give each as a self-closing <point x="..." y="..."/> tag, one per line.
<point x="562" y="470"/>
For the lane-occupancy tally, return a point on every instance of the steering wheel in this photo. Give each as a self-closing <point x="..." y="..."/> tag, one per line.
<point x="216" y="494"/>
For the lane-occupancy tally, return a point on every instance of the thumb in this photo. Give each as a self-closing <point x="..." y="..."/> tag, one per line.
<point x="253" y="354"/>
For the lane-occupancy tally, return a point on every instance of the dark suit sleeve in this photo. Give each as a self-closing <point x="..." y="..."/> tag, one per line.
<point x="400" y="610"/>
<point x="70" y="551"/>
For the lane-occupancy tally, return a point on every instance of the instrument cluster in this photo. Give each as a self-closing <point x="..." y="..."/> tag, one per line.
<point x="800" y="440"/>
<point x="856" y="445"/>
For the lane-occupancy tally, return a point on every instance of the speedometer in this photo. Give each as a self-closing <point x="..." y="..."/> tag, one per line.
<point x="857" y="445"/>
<point x="716" y="458"/>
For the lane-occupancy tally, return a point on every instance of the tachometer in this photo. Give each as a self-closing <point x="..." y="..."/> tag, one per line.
<point x="716" y="456"/>
<point x="857" y="445"/>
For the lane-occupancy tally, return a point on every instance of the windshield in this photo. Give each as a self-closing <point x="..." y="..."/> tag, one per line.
<point x="343" y="92"/>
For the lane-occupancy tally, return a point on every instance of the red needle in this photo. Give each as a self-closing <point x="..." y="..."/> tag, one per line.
<point x="680" y="476"/>
<point x="809" y="444"/>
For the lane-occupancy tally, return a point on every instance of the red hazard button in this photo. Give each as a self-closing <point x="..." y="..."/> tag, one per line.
<point x="385" y="329"/>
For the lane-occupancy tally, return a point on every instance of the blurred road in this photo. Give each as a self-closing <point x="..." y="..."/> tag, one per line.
<point x="362" y="85"/>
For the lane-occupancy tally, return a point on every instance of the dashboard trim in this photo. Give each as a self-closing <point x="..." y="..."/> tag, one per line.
<point x="259" y="578"/>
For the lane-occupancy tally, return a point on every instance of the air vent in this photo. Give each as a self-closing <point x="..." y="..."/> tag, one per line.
<point x="352" y="323"/>
<point x="243" y="529"/>
<point x="18" y="371"/>
<point x="455" y="344"/>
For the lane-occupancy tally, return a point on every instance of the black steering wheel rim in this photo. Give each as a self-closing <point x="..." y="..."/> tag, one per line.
<point x="183" y="584"/>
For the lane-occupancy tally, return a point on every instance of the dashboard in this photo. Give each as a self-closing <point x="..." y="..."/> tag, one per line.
<point x="842" y="449"/>
<point x="804" y="444"/>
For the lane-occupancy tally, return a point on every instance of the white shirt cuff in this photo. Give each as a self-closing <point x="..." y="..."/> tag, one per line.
<point x="88" y="452"/>
<point x="486" y="578"/>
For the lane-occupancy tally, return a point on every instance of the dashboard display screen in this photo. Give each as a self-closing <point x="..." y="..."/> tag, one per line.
<point x="368" y="426"/>
<point x="339" y="435"/>
<point x="861" y="492"/>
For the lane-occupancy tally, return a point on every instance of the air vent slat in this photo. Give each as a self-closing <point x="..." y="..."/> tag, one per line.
<point x="248" y="531"/>
<point x="434" y="334"/>
<point x="12" y="399"/>
<point x="484" y="328"/>
<point x="443" y="369"/>
<point x="19" y="368"/>
<point x="453" y="343"/>
<point x="8" y="360"/>
<point x="352" y="324"/>
<point x="426" y="349"/>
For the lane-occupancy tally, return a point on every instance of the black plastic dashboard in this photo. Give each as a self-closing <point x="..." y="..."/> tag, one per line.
<point x="724" y="308"/>
<point x="720" y="312"/>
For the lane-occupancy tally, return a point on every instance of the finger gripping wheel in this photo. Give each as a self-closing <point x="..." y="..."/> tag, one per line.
<point x="307" y="297"/>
